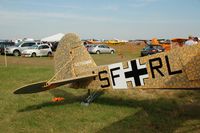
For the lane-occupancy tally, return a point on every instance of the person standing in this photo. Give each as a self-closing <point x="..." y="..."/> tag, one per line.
<point x="190" y="41"/>
<point x="196" y="40"/>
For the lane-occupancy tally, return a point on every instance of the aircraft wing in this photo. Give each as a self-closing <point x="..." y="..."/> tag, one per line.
<point x="44" y="86"/>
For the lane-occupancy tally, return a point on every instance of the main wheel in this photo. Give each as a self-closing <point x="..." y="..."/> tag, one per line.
<point x="33" y="55"/>
<point x="112" y="52"/>
<point x="16" y="53"/>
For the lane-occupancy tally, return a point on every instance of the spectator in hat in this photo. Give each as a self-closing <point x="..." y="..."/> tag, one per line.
<point x="196" y="40"/>
<point x="190" y="41"/>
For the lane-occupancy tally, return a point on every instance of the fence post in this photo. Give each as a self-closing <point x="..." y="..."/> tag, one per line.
<point x="6" y="64"/>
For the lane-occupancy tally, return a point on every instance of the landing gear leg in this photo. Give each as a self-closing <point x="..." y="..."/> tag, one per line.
<point x="91" y="97"/>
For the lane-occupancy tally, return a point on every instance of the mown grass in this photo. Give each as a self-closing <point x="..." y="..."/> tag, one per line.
<point x="134" y="111"/>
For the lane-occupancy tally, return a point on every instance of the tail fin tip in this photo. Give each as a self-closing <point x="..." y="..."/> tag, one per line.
<point x="71" y="58"/>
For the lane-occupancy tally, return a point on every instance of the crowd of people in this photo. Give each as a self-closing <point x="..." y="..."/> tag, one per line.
<point x="192" y="41"/>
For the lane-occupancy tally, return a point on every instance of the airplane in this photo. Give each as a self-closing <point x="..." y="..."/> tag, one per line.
<point x="74" y="67"/>
<point x="115" y="42"/>
<point x="179" y="41"/>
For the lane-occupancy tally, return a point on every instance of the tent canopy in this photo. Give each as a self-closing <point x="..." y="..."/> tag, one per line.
<point x="53" y="38"/>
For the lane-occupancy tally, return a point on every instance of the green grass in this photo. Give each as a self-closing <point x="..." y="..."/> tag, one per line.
<point x="135" y="111"/>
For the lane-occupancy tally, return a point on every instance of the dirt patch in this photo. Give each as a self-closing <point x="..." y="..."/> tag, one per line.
<point x="129" y="47"/>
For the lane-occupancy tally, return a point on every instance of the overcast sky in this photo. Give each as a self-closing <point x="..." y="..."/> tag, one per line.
<point x="101" y="19"/>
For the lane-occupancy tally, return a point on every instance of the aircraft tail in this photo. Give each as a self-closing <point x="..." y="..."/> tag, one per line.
<point x="71" y="59"/>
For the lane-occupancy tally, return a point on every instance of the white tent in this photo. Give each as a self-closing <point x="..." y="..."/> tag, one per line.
<point x="53" y="38"/>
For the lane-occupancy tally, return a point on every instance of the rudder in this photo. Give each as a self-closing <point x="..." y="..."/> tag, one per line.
<point x="71" y="58"/>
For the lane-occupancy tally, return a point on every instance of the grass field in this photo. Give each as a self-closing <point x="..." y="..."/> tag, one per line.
<point x="133" y="111"/>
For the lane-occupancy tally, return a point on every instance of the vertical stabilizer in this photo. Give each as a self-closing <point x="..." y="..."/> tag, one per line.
<point x="71" y="58"/>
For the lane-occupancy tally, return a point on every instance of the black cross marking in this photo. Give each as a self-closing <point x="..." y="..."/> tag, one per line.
<point x="136" y="73"/>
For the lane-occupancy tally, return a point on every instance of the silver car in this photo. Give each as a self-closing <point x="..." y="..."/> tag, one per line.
<point x="37" y="50"/>
<point x="18" y="48"/>
<point x="100" y="49"/>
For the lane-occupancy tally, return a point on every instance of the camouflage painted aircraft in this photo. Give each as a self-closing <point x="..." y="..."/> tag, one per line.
<point x="74" y="67"/>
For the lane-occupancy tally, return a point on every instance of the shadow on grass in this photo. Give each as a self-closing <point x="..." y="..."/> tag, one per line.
<point x="68" y="99"/>
<point x="159" y="115"/>
<point x="155" y="115"/>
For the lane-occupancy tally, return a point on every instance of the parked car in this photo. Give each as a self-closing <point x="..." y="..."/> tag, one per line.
<point x="87" y="46"/>
<point x="18" y="48"/>
<point x="152" y="49"/>
<point x="4" y="44"/>
<point x="100" y="49"/>
<point x="37" y="50"/>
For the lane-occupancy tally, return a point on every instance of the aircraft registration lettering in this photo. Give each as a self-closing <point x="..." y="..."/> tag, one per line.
<point x="117" y="76"/>
<point x="104" y="79"/>
<point x="134" y="74"/>
<point x="158" y="68"/>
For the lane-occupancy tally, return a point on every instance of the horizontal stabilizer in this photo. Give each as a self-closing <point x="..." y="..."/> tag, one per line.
<point x="32" y="88"/>
<point x="44" y="86"/>
<point x="71" y="80"/>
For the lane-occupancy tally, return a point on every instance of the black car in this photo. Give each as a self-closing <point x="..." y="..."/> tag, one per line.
<point x="152" y="49"/>
<point x="4" y="44"/>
